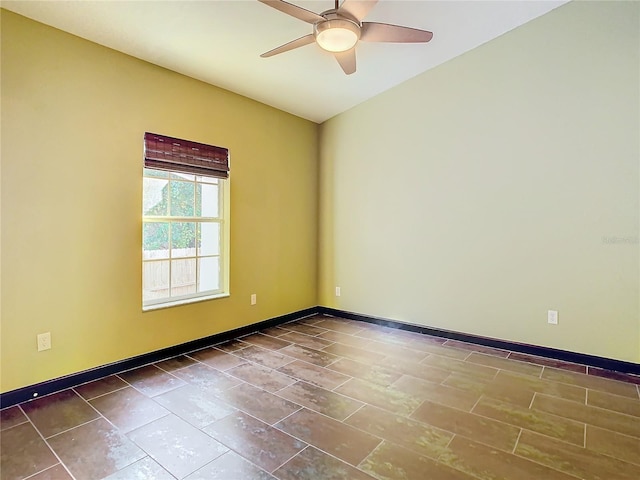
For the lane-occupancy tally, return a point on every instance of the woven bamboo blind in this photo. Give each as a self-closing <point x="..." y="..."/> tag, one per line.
<point x="168" y="153"/>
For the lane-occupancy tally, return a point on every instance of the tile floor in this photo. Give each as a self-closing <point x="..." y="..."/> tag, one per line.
<point x="328" y="399"/>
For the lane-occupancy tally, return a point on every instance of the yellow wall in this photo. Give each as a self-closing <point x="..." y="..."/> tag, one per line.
<point x="73" y="118"/>
<point x="480" y="194"/>
<point x="474" y="197"/>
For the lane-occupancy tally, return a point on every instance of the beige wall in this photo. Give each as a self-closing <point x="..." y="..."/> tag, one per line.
<point x="73" y="118"/>
<point x="477" y="196"/>
<point x="473" y="198"/>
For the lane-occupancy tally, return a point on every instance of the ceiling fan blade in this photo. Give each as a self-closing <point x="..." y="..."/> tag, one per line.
<point x="383" y="32"/>
<point x="347" y="60"/>
<point x="358" y="9"/>
<point x="298" y="42"/>
<point x="293" y="10"/>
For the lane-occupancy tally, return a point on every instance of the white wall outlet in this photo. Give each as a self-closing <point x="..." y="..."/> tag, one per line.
<point x="337" y="291"/>
<point x="44" y="341"/>
<point x="552" y="317"/>
<point x="254" y="299"/>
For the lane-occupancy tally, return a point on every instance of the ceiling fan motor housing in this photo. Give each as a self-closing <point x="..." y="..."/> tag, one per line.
<point x="337" y="33"/>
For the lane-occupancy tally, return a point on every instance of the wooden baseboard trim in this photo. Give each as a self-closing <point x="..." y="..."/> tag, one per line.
<point x="553" y="353"/>
<point x="20" y="395"/>
<point x="51" y="386"/>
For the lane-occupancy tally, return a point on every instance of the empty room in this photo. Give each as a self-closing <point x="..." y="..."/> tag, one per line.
<point x="319" y="240"/>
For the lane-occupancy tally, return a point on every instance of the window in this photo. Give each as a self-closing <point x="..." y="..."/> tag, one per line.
<point x="185" y="233"/>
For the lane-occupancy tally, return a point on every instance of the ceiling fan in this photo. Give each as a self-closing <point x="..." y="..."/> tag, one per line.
<point x="339" y="29"/>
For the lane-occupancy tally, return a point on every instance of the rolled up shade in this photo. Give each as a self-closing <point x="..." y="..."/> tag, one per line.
<point x="184" y="156"/>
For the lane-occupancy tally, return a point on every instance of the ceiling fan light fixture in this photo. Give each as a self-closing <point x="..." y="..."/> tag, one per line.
<point x="337" y="35"/>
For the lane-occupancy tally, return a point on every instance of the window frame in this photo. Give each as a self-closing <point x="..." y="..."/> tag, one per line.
<point x="224" y="248"/>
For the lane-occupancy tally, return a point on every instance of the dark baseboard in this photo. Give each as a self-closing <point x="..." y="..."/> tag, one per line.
<point x="556" y="354"/>
<point x="51" y="386"/>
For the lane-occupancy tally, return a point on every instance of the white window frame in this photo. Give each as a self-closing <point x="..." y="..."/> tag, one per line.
<point x="222" y="220"/>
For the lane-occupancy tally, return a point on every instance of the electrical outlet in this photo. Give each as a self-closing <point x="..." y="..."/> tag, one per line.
<point x="552" y="317"/>
<point x="44" y="341"/>
<point x="254" y="299"/>
<point x="337" y="291"/>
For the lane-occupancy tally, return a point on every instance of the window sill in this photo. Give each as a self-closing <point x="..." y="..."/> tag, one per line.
<point x="187" y="301"/>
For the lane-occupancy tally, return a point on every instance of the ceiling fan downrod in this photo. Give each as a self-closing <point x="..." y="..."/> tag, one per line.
<point x="339" y="30"/>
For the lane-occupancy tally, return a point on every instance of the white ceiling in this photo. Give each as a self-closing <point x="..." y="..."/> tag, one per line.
<point x="220" y="42"/>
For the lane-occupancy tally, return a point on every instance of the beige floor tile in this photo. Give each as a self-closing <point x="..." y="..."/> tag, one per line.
<point x="486" y="463"/>
<point x="548" y="387"/>
<point x="263" y="377"/>
<point x="229" y="466"/>
<point x="320" y="400"/>
<point x="23" y="452"/>
<point x="319" y="376"/>
<point x="483" y="386"/>
<point x="216" y="358"/>
<point x="259" y="403"/>
<point x="313" y="464"/>
<point x="265" y="446"/>
<point x="275" y="332"/>
<point x="232" y="345"/>
<point x="310" y="355"/>
<point x="410" y="434"/>
<point x="371" y="373"/>
<point x="354" y="353"/>
<point x="591" y="382"/>
<point x="616" y="403"/>
<point x="476" y="348"/>
<point x="482" y="429"/>
<point x="128" y="409"/>
<point x="345" y="339"/>
<point x="109" y="450"/>
<point x="448" y="352"/>
<point x="613" y="444"/>
<point x="573" y="460"/>
<point x="339" y="439"/>
<point x="453" y="397"/>
<point x="381" y="334"/>
<point x="340" y="326"/>
<point x="306" y="340"/>
<point x="535" y="420"/>
<point x="598" y="417"/>
<point x="266" y="341"/>
<point x="325" y="398"/>
<point x="305" y="328"/>
<point x="388" y="398"/>
<point x="398" y="351"/>
<point x="415" y="369"/>
<point x="10" y="417"/>
<point x="453" y="365"/>
<point x="268" y="358"/>
<point x="58" y="472"/>
<point x="392" y="462"/>
<point x="505" y="364"/>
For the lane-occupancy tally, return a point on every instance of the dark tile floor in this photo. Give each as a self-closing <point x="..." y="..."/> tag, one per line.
<point x="329" y="399"/>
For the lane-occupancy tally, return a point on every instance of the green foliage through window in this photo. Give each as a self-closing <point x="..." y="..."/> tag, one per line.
<point x="183" y="204"/>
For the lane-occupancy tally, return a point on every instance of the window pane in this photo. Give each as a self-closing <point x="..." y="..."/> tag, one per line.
<point x="155" y="280"/>
<point x="154" y="201"/>
<point x="155" y="240"/>
<point x="207" y="179"/>
<point x="209" y="274"/>
<point x="207" y="200"/>
<point x="183" y="277"/>
<point x="183" y="176"/>
<point x="183" y="239"/>
<point x="156" y="173"/>
<point x="182" y="198"/>
<point x="209" y="239"/>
